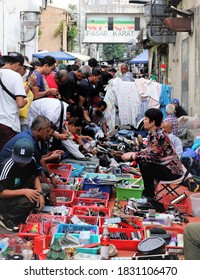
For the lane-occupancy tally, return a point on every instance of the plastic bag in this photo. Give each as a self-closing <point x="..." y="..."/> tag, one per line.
<point x="191" y="122"/>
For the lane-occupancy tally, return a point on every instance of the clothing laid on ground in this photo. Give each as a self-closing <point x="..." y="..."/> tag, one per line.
<point x="158" y="161"/>
<point x="125" y="96"/>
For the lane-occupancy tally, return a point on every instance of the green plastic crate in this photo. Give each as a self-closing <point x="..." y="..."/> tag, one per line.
<point x="123" y="193"/>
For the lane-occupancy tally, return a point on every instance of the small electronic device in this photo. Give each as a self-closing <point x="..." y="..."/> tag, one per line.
<point x="117" y="171"/>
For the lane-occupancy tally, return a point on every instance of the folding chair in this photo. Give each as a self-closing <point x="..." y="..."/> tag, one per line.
<point x="171" y="186"/>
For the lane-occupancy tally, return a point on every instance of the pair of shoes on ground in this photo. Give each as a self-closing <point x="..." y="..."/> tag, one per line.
<point x="9" y="225"/>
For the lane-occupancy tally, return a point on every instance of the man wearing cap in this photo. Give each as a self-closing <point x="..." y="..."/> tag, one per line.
<point x="179" y="111"/>
<point x="12" y="96"/>
<point x="20" y="187"/>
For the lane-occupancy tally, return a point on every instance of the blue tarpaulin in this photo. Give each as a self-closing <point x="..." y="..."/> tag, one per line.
<point x="141" y="58"/>
<point x="60" y="55"/>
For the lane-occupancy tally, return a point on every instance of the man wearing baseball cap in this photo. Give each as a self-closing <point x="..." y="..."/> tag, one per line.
<point x="12" y="96"/>
<point x="20" y="187"/>
<point x="179" y="111"/>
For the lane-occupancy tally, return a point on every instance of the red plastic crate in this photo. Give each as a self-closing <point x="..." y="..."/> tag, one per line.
<point x="91" y="201"/>
<point x="173" y="230"/>
<point x="63" y="170"/>
<point x="41" y="243"/>
<point x="105" y="195"/>
<point x="36" y="218"/>
<point x="25" y="230"/>
<point x="121" y="244"/>
<point x="123" y="225"/>
<point x="85" y="210"/>
<point x="46" y="228"/>
<point x="91" y="220"/>
<point x="126" y="245"/>
<point x="182" y="206"/>
<point x="70" y="194"/>
<point x="67" y="186"/>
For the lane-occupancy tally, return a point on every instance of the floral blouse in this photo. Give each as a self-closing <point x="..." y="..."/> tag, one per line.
<point x="160" y="151"/>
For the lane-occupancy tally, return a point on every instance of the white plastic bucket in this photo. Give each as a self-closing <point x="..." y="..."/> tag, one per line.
<point x="195" y="204"/>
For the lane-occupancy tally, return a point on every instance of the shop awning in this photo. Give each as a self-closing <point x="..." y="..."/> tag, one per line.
<point x="141" y="58"/>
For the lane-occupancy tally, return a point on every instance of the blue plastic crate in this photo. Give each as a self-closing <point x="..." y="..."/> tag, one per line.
<point x="94" y="238"/>
<point x="77" y="169"/>
<point x="62" y="228"/>
<point x="104" y="188"/>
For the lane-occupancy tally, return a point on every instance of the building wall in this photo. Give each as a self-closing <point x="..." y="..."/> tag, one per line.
<point x="49" y="23"/>
<point x="184" y="63"/>
<point x="11" y="25"/>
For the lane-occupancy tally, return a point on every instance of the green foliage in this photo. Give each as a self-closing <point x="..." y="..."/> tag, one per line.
<point x="72" y="7"/>
<point x="71" y="35"/>
<point x="112" y="51"/>
<point x="72" y="32"/>
<point x="59" y="29"/>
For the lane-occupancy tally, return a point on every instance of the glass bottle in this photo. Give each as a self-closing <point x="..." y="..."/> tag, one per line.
<point x="104" y="243"/>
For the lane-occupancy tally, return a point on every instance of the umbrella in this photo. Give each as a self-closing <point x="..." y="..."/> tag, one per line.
<point x="80" y="56"/>
<point x="60" y="55"/>
<point x="141" y="58"/>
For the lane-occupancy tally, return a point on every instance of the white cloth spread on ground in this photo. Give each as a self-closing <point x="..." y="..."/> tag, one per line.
<point x="125" y="96"/>
<point x="149" y="89"/>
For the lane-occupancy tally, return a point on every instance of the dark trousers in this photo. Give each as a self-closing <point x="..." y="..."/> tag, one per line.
<point x="16" y="209"/>
<point x="152" y="171"/>
<point x="6" y="133"/>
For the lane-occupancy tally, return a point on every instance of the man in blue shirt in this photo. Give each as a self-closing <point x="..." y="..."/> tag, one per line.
<point x="39" y="132"/>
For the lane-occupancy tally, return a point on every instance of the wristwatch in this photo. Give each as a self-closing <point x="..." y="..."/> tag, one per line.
<point x="42" y="193"/>
<point x="51" y="175"/>
<point x="30" y="86"/>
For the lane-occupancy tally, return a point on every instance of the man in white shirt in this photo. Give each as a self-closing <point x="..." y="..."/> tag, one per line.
<point x="51" y="108"/>
<point x="12" y="96"/>
<point x="176" y="142"/>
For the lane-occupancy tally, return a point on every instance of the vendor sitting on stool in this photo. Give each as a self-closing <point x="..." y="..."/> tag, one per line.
<point x="158" y="161"/>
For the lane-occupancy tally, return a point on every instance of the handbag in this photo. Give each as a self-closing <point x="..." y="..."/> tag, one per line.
<point x="193" y="183"/>
<point x="56" y="143"/>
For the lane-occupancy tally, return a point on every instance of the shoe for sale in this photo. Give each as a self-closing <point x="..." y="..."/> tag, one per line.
<point x="9" y="225"/>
